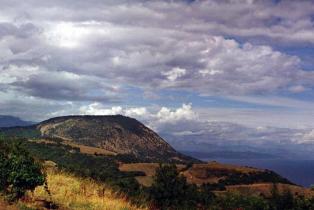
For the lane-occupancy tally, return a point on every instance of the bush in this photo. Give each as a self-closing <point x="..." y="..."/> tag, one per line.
<point x="206" y="196"/>
<point x="171" y="191"/>
<point x="287" y="201"/>
<point x="233" y="201"/>
<point x="302" y="203"/>
<point x="283" y="200"/>
<point x="19" y="172"/>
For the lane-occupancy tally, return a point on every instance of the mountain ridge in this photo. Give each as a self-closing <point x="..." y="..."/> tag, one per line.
<point x="115" y="133"/>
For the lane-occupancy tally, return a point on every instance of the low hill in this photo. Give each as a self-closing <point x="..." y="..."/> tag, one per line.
<point x="209" y="173"/>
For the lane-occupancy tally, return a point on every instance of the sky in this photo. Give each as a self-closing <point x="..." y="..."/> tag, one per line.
<point x="184" y="68"/>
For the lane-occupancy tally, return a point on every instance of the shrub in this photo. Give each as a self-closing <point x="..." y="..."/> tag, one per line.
<point x="171" y="191"/>
<point x="206" y="196"/>
<point x="233" y="201"/>
<point x="19" y="172"/>
<point x="281" y="201"/>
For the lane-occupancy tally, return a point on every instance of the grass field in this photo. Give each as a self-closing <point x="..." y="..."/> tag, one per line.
<point x="5" y="206"/>
<point x="265" y="189"/>
<point x="209" y="172"/>
<point x="148" y="168"/>
<point x="197" y="174"/>
<point x="221" y="166"/>
<point x="83" y="149"/>
<point x="70" y="192"/>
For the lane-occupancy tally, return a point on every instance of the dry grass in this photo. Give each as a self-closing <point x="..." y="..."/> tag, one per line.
<point x="197" y="174"/>
<point x="83" y="149"/>
<point x="89" y="150"/>
<point x="205" y="173"/>
<point x="70" y="192"/>
<point x="265" y="189"/>
<point x="216" y="165"/>
<point x="192" y="178"/>
<point x="146" y="181"/>
<point x="5" y="206"/>
<point x="148" y="168"/>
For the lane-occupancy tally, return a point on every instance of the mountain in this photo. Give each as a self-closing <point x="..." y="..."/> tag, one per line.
<point x="122" y="149"/>
<point x="118" y="134"/>
<point x="10" y="121"/>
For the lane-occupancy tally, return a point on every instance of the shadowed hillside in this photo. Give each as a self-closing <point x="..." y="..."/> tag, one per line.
<point x="10" y="121"/>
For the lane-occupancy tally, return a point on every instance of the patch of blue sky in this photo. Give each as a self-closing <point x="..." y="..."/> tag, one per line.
<point x="304" y="52"/>
<point x="306" y="95"/>
<point x="134" y="96"/>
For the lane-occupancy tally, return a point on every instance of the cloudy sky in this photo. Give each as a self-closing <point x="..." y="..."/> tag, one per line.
<point x="242" y="62"/>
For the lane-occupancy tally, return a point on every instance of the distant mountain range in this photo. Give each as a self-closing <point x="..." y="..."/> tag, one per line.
<point x="229" y="154"/>
<point x="11" y="121"/>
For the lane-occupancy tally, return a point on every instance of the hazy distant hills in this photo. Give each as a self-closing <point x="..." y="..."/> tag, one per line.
<point x="229" y="154"/>
<point x="10" y="121"/>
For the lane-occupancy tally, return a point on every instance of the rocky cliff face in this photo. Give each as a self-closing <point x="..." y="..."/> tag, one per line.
<point x="119" y="134"/>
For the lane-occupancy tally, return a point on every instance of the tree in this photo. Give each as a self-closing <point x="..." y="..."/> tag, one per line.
<point x="171" y="190"/>
<point x="19" y="171"/>
<point x="281" y="201"/>
<point x="206" y="196"/>
<point x="232" y="201"/>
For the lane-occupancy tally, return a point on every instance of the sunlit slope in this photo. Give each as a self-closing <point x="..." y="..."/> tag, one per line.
<point x="70" y="192"/>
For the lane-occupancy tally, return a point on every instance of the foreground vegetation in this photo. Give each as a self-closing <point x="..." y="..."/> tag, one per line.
<point x="71" y="192"/>
<point x="171" y="191"/>
<point x="86" y="181"/>
<point x="24" y="180"/>
<point x="19" y="171"/>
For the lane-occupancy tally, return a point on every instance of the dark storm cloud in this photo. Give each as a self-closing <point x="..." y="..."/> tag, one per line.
<point x="66" y="86"/>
